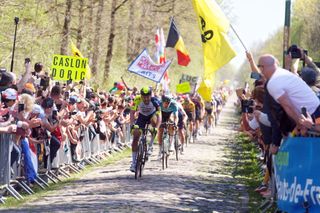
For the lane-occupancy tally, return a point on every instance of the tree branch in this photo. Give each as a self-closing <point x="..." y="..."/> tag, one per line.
<point x="120" y="5"/>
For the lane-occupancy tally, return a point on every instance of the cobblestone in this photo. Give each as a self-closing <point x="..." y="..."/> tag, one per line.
<point x="198" y="182"/>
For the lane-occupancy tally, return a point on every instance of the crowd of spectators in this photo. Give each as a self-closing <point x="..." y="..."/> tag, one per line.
<point x="283" y="102"/>
<point x="51" y="124"/>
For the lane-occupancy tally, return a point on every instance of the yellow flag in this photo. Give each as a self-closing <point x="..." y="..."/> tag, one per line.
<point x="217" y="50"/>
<point x="205" y="90"/>
<point x="76" y="53"/>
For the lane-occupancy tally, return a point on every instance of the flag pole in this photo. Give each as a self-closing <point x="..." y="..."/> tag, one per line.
<point x="238" y="37"/>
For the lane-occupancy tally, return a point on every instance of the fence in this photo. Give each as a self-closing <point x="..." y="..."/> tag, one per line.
<point x="91" y="150"/>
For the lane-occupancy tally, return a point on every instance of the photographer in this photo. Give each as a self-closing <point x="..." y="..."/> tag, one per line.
<point x="51" y="123"/>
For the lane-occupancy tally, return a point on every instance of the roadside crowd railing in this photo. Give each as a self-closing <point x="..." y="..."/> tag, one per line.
<point x="90" y="151"/>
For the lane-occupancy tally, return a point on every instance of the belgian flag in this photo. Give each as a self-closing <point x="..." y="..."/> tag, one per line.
<point x="174" y="40"/>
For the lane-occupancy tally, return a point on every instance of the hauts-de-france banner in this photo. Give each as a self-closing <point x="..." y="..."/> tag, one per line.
<point x="68" y="67"/>
<point x="297" y="175"/>
<point x="144" y="66"/>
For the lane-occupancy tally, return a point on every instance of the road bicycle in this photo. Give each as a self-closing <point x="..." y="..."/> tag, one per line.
<point x="166" y="143"/>
<point x="142" y="152"/>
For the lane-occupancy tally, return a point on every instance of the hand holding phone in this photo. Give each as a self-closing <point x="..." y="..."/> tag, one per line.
<point x="304" y="111"/>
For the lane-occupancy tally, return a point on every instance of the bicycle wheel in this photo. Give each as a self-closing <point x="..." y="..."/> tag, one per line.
<point x="164" y="147"/>
<point x="186" y="134"/>
<point x="176" y="146"/>
<point x="167" y="159"/>
<point x="138" y="164"/>
<point x="206" y="124"/>
<point x="143" y="157"/>
<point x="162" y="154"/>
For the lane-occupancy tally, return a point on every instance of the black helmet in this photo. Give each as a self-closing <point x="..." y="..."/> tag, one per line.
<point x="145" y="91"/>
<point x="166" y="98"/>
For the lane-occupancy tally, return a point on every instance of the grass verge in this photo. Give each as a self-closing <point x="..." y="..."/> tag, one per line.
<point x="246" y="168"/>
<point x="11" y="202"/>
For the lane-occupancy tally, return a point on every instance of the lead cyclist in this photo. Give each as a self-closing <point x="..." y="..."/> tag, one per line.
<point x="149" y="111"/>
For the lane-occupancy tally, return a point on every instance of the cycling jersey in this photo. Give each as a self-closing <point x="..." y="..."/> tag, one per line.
<point x="173" y="107"/>
<point x="188" y="106"/>
<point x="208" y="105"/>
<point x="145" y="109"/>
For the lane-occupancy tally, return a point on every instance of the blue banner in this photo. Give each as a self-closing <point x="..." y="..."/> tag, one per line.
<point x="297" y="172"/>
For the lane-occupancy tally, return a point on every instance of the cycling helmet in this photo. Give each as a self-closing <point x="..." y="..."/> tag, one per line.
<point x="166" y="98"/>
<point x="145" y="91"/>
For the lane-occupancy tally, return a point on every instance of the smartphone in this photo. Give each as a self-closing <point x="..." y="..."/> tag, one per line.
<point x="255" y="75"/>
<point x="20" y="107"/>
<point x="69" y="81"/>
<point x="66" y="95"/>
<point x="27" y="60"/>
<point x="304" y="111"/>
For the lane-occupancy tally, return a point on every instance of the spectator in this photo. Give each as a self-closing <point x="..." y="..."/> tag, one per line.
<point x="287" y="89"/>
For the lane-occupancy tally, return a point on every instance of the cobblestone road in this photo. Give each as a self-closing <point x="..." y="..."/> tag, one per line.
<point x="198" y="182"/>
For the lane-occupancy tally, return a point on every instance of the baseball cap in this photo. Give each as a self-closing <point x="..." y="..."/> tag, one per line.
<point x="10" y="94"/>
<point x="309" y="75"/>
<point x="29" y="86"/>
<point x="73" y="99"/>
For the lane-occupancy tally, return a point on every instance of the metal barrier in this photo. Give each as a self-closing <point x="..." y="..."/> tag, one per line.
<point x="93" y="150"/>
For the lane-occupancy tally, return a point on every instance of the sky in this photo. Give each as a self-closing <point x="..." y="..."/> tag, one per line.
<point x="254" y="21"/>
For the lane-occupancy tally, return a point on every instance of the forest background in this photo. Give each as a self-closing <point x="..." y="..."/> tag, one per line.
<point x="111" y="33"/>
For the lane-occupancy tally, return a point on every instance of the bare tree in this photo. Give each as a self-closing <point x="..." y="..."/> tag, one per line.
<point x="114" y="9"/>
<point x="66" y="28"/>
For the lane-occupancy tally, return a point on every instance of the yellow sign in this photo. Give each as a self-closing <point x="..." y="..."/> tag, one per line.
<point x="68" y="67"/>
<point x="183" y="88"/>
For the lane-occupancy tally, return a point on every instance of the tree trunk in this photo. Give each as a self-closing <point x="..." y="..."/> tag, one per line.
<point x="110" y="40"/>
<point x="81" y="23"/>
<point x="96" y="41"/>
<point x="66" y="28"/>
<point x="130" y="38"/>
<point x="90" y="30"/>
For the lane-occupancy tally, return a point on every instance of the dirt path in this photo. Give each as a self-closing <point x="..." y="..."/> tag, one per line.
<point x="199" y="182"/>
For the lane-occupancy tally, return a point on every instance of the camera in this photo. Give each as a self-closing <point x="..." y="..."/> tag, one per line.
<point x="44" y="82"/>
<point x="295" y="52"/>
<point x="247" y="106"/>
<point x="255" y="75"/>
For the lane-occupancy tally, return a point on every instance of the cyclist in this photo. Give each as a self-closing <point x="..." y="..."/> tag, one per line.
<point x="219" y="103"/>
<point x="209" y="107"/>
<point x="182" y="115"/>
<point x="199" y="108"/>
<point x="149" y="112"/>
<point x="169" y="112"/>
<point x="189" y="108"/>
